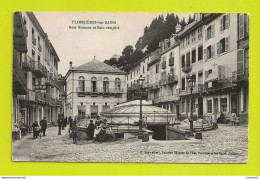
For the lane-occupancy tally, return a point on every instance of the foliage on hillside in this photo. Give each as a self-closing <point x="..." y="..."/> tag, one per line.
<point x="159" y="29"/>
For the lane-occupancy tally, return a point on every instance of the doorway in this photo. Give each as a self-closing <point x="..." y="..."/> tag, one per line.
<point x="200" y="107"/>
<point x="234" y="104"/>
<point x="215" y="108"/>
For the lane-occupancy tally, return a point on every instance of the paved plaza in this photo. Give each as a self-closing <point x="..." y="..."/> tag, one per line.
<point x="228" y="144"/>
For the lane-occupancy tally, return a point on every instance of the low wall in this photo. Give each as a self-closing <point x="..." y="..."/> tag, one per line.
<point x="176" y="134"/>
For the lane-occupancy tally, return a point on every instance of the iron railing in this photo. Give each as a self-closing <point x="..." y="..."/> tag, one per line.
<point x="99" y="90"/>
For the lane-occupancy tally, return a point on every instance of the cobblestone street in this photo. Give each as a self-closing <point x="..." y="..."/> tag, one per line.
<point x="228" y="144"/>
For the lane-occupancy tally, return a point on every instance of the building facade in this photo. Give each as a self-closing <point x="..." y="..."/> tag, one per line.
<point x="39" y="65"/>
<point x="92" y="88"/>
<point x="213" y="51"/>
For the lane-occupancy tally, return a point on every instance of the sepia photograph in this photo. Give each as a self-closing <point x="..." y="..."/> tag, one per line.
<point x="130" y="87"/>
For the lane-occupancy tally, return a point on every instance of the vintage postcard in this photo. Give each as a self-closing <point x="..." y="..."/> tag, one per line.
<point x="130" y="87"/>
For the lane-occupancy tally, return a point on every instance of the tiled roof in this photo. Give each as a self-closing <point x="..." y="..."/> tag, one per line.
<point x="97" y="66"/>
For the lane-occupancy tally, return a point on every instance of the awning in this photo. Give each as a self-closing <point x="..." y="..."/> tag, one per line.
<point x="212" y="77"/>
<point x="82" y="108"/>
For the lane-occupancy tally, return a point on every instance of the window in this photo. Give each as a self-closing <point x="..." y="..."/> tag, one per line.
<point x="209" y="106"/>
<point x="117" y="84"/>
<point x="183" y="106"/>
<point x="210" y="32"/>
<point x="193" y="53"/>
<point x="188" y="59"/>
<point x="223" y="45"/>
<point x="200" y="33"/>
<point x="200" y="53"/>
<point x="243" y="25"/>
<point x="38" y="38"/>
<point x="209" y="52"/>
<point x="105" y="84"/>
<point x="223" y="104"/>
<point x="193" y="37"/>
<point x="32" y="32"/>
<point x="143" y="68"/>
<point x="188" y="105"/>
<point x="188" y="40"/>
<point x="157" y="68"/>
<point x="183" y="84"/>
<point x="94" y="84"/>
<point x="183" y="61"/>
<point x="182" y="44"/>
<point x="127" y="78"/>
<point x="224" y="22"/>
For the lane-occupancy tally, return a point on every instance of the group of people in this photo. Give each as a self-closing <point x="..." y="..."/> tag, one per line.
<point x="37" y="129"/>
<point x="63" y="122"/>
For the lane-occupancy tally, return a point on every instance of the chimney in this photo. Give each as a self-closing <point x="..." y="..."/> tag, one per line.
<point x="70" y="64"/>
<point x="178" y="28"/>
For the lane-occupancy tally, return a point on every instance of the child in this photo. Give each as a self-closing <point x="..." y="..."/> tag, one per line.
<point x="74" y="130"/>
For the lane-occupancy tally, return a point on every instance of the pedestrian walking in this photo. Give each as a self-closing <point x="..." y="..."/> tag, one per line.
<point x="59" y="125"/>
<point x="65" y="121"/>
<point x="74" y="130"/>
<point x="43" y="124"/>
<point x="63" y="125"/>
<point x="70" y="121"/>
<point x="90" y="130"/>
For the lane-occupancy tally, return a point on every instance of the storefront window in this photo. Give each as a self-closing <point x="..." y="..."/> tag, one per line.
<point x="223" y="104"/>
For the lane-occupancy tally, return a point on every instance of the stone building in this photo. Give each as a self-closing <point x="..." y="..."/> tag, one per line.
<point x="39" y="65"/>
<point x="92" y="88"/>
<point x="213" y="51"/>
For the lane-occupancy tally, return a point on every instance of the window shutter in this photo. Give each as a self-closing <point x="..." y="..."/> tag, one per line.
<point x="205" y="54"/>
<point x="212" y="30"/>
<point x="219" y="72"/>
<point x="241" y="26"/>
<point x="227" y="21"/>
<point x="246" y="24"/>
<point x="227" y="45"/>
<point x="218" y="49"/>
<point x="213" y="51"/>
<point x="206" y="74"/>
<point x="221" y="25"/>
<point x="240" y="62"/>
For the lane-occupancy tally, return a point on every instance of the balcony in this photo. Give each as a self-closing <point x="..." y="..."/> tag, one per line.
<point x="171" y="61"/>
<point x="99" y="90"/>
<point x="28" y="64"/>
<point x="33" y="40"/>
<point x="186" y="69"/>
<point x="39" y="47"/>
<point x="49" y="82"/>
<point x="164" y="65"/>
<point x="29" y="97"/>
<point x="172" y="79"/>
<point x="39" y="69"/>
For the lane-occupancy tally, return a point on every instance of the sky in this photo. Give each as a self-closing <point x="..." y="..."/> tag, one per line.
<point x="81" y="45"/>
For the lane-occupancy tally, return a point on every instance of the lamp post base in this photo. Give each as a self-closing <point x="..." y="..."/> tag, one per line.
<point x="140" y="134"/>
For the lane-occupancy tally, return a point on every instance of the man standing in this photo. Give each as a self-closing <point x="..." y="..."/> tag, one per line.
<point x="90" y="130"/>
<point x="59" y="125"/>
<point x="43" y="124"/>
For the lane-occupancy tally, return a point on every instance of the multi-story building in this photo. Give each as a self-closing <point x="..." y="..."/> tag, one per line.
<point x="92" y="88"/>
<point x="170" y="71"/>
<point x="40" y="67"/>
<point x="243" y="65"/>
<point x="133" y="76"/>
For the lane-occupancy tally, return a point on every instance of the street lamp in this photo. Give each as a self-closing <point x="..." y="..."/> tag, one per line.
<point x="191" y="83"/>
<point x="140" y="83"/>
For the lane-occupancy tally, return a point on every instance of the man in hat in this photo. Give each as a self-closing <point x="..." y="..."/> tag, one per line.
<point x="90" y="130"/>
<point x="43" y="124"/>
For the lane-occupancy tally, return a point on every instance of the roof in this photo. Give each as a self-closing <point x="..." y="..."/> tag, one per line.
<point x="97" y="66"/>
<point x="131" y="111"/>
